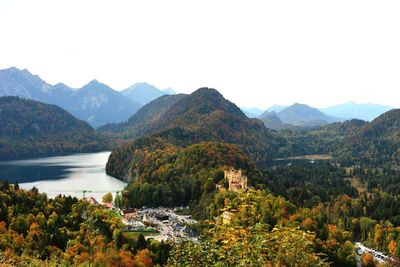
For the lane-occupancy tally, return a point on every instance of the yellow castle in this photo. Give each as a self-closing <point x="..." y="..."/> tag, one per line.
<point x="236" y="179"/>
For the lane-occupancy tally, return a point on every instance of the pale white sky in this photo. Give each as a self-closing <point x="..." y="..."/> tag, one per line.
<point x="256" y="53"/>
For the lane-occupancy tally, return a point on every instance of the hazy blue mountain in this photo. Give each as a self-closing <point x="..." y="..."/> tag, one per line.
<point x="296" y="115"/>
<point x="303" y="115"/>
<point x="276" y="108"/>
<point x="22" y="83"/>
<point x="145" y="93"/>
<point x="272" y="121"/>
<point x="95" y="103"/>
<point x="352" y="110"/>
<point x="61" y="95"/>
<point x="99" y="104"/>
<point x="252" y="112"/>
<point x="169" y="91"/>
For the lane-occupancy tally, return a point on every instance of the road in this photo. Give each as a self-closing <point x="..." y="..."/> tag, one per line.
<point x="379" y="256"/>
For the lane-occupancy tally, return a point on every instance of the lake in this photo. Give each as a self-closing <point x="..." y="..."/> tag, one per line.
<point x="68" y="175"/>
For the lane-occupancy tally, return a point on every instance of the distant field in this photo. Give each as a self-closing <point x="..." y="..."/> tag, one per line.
<point x="135" y="234"/>
<point x="309" y="157"/>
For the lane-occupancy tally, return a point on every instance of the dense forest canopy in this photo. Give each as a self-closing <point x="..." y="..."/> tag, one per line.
<point x="30" y="128"/>
<point x="65" y="231"/>
<point x="168" y="175"/>
<point x="352" y="142"/>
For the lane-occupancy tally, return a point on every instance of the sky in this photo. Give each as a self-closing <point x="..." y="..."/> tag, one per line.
<point x="256" y="53"/>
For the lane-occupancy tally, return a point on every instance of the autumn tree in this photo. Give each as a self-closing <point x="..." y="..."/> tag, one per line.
<point x="107" y="198"/>
<point x="367" y="260"/>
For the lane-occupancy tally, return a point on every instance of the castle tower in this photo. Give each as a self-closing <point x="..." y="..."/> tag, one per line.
<point x="236" y="179"/>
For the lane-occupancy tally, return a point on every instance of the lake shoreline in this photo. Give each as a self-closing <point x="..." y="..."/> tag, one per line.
<point x="76" y="175"/>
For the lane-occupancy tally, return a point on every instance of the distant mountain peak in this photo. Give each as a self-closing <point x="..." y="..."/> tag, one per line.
<point x="276" y="108"/>
<point x="94" y="82"/>
<point x="11" y="69"/>
<point x="297" y="114"/>
<point x="169" y="91"/>
<point x="96" y="85"/>
<point x="207" y="91"/>
<point x="62" y="85"/>
<point x="299" y="105"/>
<point x="143" y="92"/>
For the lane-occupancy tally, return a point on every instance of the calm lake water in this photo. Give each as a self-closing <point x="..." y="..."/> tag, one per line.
<point x="68" y="175"/>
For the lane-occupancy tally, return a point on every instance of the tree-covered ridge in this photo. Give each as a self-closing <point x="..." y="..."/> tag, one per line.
<point x="168" y="175"/>
<point x="204" y="115"/>
<point x="30" y="128"/>
<point x="352" y="142"/>
<point x="65" y="231"/>
<point x="378" y="142"/>
<point x="320" y="140"/>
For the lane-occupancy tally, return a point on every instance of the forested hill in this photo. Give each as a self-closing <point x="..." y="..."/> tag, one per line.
<point x="378" y="142"/>
<point x="204" y="115"/>
<point x="148" y="114"/>
<point x="352" y="142"/>
<point x="31" y="128"/>
<point x="163" y="174"/>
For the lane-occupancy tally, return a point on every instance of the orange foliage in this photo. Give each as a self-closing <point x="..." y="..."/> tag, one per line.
<point x="3" y="228"/>
<point x="143" y="258"/>
<point x="99" y="257"/>
<point x="34" y="232"/>
<point x="83" y="257"/>
<point x="332" y="229"/>
<point x="392" y="247"/>
<point x="345" y="198"/>
<point x="309" y="224"/>
<point x="126" y="258"/>
<point x="76" y="249"/>
<point x="367" y="260"/>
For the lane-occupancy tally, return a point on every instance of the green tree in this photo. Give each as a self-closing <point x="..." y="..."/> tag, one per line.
<point x="117" y="200"/>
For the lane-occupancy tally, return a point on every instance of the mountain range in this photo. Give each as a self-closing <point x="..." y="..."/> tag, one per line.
<point x="300" y="115"/>
<point x="297" y="115"/>
<point x="95" y="103"/>
<point x="181" y="119"/>
<point x="205" y="115"/>
<point x="99" y="104"/>
<point x="352" y="110"/>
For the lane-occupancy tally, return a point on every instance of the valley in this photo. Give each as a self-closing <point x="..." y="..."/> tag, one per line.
<point x="317" y="188"/>
<point x="199" y="133"/>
